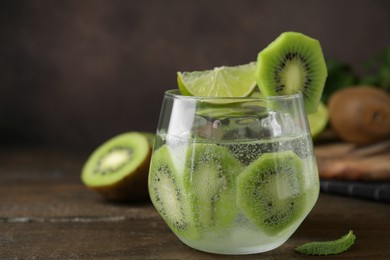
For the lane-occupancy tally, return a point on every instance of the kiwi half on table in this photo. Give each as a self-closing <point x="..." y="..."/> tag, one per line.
<point x="118" y="169"/>
<point x="291" y="64"/>
<point x="270" y="191"/>
<point x="210" y="181"/>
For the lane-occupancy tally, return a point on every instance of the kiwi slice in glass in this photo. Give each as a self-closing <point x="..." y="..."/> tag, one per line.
<point x="292" y="63"/>
<point x="270" y="191"/>
<point x="167" y="194"/>
<point x="118" y="169"/>
<point x="210" y="181"/>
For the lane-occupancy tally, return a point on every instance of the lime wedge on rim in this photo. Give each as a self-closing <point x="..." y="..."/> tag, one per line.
<point x="237" y="81"/>
<point x="318" y="120"/>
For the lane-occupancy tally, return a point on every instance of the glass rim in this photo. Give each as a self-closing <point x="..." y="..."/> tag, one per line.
<point x="175" y="93"/>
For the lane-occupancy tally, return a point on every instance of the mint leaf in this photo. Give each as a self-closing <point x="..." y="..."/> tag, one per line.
<point x="329" y="247"/>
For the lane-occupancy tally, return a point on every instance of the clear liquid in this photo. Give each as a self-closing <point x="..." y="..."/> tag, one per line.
<point x="241" y="235"/>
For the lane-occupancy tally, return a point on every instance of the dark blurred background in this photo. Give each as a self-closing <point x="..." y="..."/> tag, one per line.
<point x="75" y="73"/>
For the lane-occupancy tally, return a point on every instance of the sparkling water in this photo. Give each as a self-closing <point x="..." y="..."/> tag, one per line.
<point x="243" y="236"/>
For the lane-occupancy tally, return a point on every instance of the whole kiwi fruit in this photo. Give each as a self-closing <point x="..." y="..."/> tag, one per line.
<point x="360" y="114"/>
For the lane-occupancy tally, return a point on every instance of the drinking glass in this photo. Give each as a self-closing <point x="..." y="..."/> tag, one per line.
<point x="233" y="175"/>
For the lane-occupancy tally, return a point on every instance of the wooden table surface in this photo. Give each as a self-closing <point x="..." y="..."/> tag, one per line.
<point x="46" y="213"/>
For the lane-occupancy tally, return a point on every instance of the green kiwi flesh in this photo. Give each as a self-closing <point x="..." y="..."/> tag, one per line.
<point x="270" y="191"/>
<point x="118" y="169"/>
<point x="210" y="181"/>
<point x="292" y="63"/>
<point x="167" y="194"/>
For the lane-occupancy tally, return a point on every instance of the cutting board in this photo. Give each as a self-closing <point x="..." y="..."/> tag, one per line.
<point x="350" y="162"/>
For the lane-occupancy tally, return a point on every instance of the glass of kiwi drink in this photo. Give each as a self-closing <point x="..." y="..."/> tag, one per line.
<point x="233" y="175"/>
<point x="237" y="174"/>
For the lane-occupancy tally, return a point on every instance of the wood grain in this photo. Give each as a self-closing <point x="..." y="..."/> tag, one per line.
<point x="46" y="213"/>
<point x="348" y="162"/>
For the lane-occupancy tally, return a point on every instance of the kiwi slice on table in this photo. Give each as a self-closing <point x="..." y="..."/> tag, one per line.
<point x="291" y="64"/>
<point x="210" y="181"/>
<point x="118" y="169"/>
<point x="167" y="193"/>
<point x="270" y="191"/>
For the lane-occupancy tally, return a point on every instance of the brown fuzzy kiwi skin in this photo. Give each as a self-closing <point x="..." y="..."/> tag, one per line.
<point x="360" y="114"/>
<point x="133" y="187"/>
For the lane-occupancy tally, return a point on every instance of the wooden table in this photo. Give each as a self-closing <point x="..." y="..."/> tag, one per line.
<point x="46" y="213"/>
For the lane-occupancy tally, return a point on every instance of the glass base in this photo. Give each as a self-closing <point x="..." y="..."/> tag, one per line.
<point x="226" y="250"/>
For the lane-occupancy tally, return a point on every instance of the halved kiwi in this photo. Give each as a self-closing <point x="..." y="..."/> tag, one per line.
<point x="291" y="64"/>
<point x="270" y="191"/>
<point x="167" y="193"/>
<point x="210" y="181"/>
<point x="118" y="169"/>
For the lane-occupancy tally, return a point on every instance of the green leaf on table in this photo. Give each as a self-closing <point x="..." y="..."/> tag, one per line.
<point x="328" y="247"/>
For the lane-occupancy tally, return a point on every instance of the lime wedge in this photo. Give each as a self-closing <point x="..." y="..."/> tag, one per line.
<point x="318" y="120"/>
<point x="237" y="81"/>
